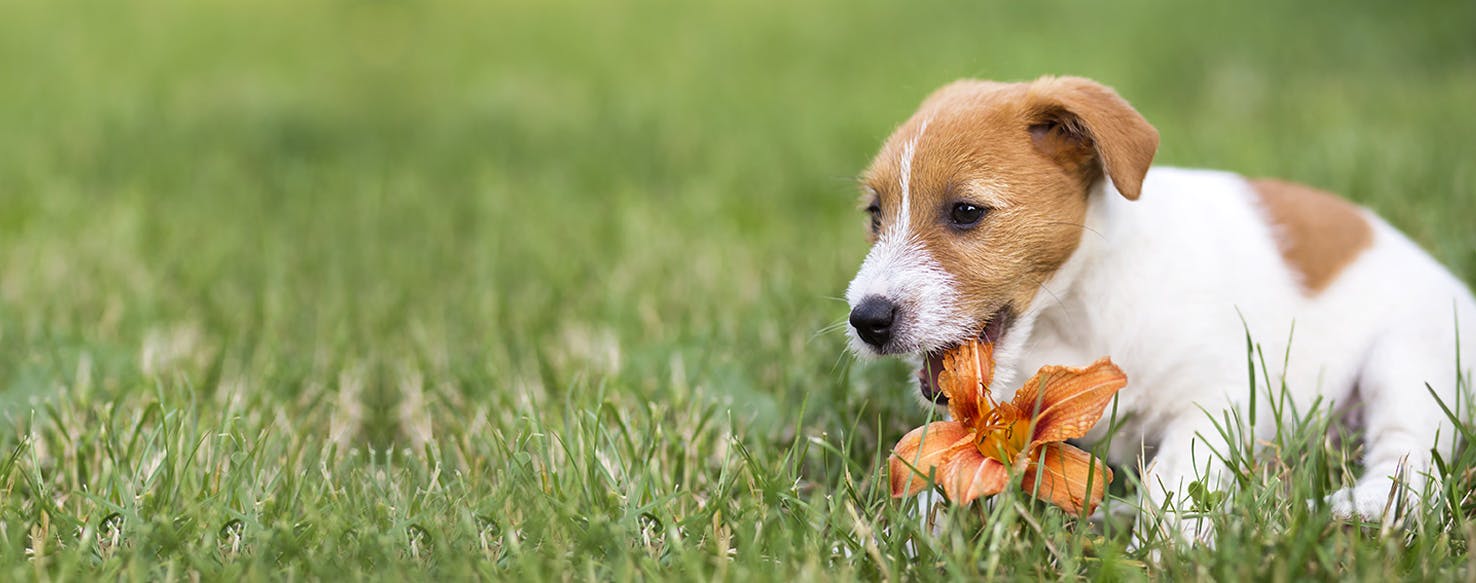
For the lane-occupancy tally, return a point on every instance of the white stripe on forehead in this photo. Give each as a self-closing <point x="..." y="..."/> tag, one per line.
<point x="908" y="149"/>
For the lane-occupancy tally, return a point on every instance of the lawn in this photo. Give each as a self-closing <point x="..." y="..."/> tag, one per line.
<point x="548" y="290"/>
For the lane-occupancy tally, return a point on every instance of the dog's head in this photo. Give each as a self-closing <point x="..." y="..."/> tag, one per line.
<point x="978" y="199"/>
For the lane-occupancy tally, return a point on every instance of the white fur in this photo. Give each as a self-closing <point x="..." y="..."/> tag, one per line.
<point x="1166" y="285"/>
<point x="909" y="150"/>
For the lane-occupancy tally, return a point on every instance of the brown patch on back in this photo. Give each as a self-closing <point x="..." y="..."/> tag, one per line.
<point x="1319" y="233"/>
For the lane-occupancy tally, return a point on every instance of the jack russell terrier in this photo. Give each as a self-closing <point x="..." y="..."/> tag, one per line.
<point x="1027" y="214"/>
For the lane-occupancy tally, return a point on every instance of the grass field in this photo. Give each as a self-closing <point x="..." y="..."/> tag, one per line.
<point x="545" y="290"/>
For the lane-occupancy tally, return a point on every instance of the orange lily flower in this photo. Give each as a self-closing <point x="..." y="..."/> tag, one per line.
<point x="972" y="454"/>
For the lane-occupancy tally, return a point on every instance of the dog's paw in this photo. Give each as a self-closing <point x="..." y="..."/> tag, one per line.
<point x="1372" y="502"/>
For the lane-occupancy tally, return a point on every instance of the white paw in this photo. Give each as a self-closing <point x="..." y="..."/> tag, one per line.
<point x="1373" y="502"/>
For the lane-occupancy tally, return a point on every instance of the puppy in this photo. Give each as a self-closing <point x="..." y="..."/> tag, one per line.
<point x="1027" y="214"/>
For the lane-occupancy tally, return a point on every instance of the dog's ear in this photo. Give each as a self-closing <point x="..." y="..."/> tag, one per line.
<point x="1079" y="122"/>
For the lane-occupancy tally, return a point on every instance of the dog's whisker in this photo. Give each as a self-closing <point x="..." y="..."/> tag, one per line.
<point x="1059" y="302"/>
<point x="833" y="326"/>
<point x="1082" y="226"/>
<point x="828" y="330"/>
<point x="840" y="359"/>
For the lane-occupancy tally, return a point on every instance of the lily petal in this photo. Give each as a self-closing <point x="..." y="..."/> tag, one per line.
<point x="922" y="450"/>
<point x="1064" y="471"/>
<point x="1071" y="399"/>
<point x="967" y="372"/>
<point x="970" y="475"/>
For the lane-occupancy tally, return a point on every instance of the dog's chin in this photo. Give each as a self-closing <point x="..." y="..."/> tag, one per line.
<point x="865" y="351"/>
<point x="993" y="331"/>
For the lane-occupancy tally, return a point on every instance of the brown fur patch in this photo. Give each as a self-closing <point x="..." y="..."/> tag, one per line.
<point x="1318" y="232"/>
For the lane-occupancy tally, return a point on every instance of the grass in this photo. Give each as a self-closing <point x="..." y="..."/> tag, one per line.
<point x="544" y="290"/>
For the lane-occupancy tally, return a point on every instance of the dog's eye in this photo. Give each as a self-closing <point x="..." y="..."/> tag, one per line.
<point x="875" y="212"/>
<point x="966" y="215"/>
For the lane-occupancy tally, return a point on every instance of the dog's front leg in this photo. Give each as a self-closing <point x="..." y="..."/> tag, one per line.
<point x="929" y="505"/>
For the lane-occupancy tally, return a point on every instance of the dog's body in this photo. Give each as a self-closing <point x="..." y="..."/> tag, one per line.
<point x="1168" y="286"/>
<point x="1082" y="252"/>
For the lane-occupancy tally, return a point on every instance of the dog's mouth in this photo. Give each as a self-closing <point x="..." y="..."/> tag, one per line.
<point x="927" y="376"/>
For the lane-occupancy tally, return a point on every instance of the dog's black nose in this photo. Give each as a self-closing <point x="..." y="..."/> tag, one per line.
<point x="872" y="319"/>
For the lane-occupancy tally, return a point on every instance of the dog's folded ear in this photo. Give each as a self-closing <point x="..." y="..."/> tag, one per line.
<point x="1080" y="123"/>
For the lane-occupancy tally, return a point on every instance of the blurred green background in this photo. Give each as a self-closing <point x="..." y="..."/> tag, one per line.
<point x="392" y="224"/>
